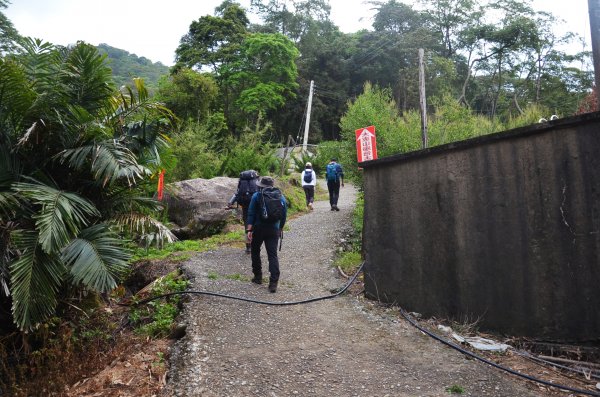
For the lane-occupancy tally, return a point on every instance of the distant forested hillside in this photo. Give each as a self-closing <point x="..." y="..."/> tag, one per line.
<point x="126" y="66"/>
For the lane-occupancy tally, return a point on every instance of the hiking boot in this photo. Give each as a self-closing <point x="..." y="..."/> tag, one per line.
<point x="272" y="286"/>
<point x="257" y="279"/>
<point x="336" y="208"/>
<point x="248" y="250"/>
<point x="333" y="208"/>
<point x="310" y="206"/>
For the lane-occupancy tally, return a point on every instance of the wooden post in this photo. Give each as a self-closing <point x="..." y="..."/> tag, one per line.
<point x="422" y="98"/>
<point x="594" y="11"/>
<point x="287" y="145"/>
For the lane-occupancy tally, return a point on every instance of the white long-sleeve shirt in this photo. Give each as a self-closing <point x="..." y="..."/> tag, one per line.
<point x="313" y="181"/>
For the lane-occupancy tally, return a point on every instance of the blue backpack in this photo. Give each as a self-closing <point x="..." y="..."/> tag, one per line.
<point x="308" y="175"/>
<point x="331" y="172"/>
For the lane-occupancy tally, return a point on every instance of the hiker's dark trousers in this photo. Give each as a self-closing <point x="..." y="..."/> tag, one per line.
<point x="270" y="236"/>
<point x="309" y="192"/>
<point x="334" y="192"/>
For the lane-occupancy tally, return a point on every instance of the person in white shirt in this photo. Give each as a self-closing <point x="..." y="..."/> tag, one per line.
<point x="309" y="181"/>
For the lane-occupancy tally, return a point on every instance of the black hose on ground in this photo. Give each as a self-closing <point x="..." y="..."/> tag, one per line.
<point x="493" y="364"/>
<point x="402" y="312"/>
<point x="251" y="300"/>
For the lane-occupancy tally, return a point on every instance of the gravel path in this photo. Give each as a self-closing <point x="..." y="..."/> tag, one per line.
<point x="347" y="346"/>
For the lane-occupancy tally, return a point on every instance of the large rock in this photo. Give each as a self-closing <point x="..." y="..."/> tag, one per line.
<point x="198" y="206"/>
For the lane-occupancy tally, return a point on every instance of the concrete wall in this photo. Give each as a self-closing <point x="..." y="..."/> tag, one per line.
<point x="504" y="229"/>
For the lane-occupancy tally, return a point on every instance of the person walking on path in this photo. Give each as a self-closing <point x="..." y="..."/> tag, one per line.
<point x="266" y="217"/>
<point x="245" y="189"/>
<point x="334" y="175"/>
<point x="309" y="181"/>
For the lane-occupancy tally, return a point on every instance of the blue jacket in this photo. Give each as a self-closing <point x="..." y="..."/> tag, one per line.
<point x="254" y="212"/>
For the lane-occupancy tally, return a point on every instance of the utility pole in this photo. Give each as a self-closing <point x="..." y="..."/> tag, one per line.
<point x="594" y="11"/>
<point x="310" y="94"/>
<point x="422" y="98"/>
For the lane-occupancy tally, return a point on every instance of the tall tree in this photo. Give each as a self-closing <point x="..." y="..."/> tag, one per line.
<point x="212" y="44"/>
<point x="188" y="93"/>
<point x="8" y="34"/>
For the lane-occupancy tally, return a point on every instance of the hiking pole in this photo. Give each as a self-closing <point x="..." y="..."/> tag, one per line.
<point x="280" y="239"/>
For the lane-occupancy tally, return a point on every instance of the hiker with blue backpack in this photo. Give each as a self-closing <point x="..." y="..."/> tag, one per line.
<point x="242" y="196"/>
<point x="309" y="181"/>
<point x="334" y="175"/>
<point x="267" y="214"/>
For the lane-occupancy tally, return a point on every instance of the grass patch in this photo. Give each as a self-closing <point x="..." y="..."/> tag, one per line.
<point x="213" y="275"/>
<point x="155" y="318"/>
<point x="174" y="250"/>
<point x="455" y="389"/>
<point x="349" y="261"/>
<point x="237" y="277"/>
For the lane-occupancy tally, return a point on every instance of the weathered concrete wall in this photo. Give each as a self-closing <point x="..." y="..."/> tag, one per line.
<point x="504" y="229"/>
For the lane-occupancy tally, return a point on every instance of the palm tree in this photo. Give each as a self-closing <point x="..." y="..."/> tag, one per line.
<point x="75" y="156"/>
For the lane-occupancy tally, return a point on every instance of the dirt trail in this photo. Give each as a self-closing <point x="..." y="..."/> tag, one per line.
<point x="347" y="346"/>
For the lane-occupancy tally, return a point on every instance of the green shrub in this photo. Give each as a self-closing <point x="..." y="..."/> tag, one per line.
<point x="155" y="318"/>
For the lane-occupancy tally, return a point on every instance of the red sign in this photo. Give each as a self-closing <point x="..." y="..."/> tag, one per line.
<point x="366" y="145"/>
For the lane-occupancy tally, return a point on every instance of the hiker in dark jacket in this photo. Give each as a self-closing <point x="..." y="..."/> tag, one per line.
<point x="266" y="218"/>
<point x="245" y="189"/>
<point x="334" y="176"/>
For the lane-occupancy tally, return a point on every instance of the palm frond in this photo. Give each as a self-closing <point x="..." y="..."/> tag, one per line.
<point x="9" y="204"/>
<point x="87" y="77"/>
<point x="40" y="61"/>
<point x="15" y="95"/>
<point x="9" y="173"/>
<point x="108" y="161"/>
<point x="96" y="258"/>
<point x="148" y="228"/>
<point x="61" y="215"/>
<point x="6" y="254"/>
<point x="35" y="280"/>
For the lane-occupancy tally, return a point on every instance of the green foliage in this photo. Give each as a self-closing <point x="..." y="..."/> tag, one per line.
<point x="531" y="115"/>
<point x="265" y="72"/>
<point x="325" y="152"/>
<point x="299" y="160"/>
<point x="192" y="149"/>
<point x="125" y="67"/>
<point x="349" y="261"/>
<point x="455" y="389"/>
<point x="358" y="214"/>
<point x="238" y="277"/>
<point x="189" y="94"/>
<point x="171" y="249"/>
<point x="249" y="152"/>
<point x="293" y="192"/>
<point x="156" y="317"/>
<point x="453" y="122"/>
<point x="374" y="107"/>
<point x="76" y="155"/>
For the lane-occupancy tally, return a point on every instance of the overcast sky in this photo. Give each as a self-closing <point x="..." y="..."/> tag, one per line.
<point x="152" y="28"/>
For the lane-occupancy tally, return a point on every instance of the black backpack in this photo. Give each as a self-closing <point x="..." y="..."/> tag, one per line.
<point x="307" y="175"/>
<point x="271" y="207"/>
<point x="246" y="187"/>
